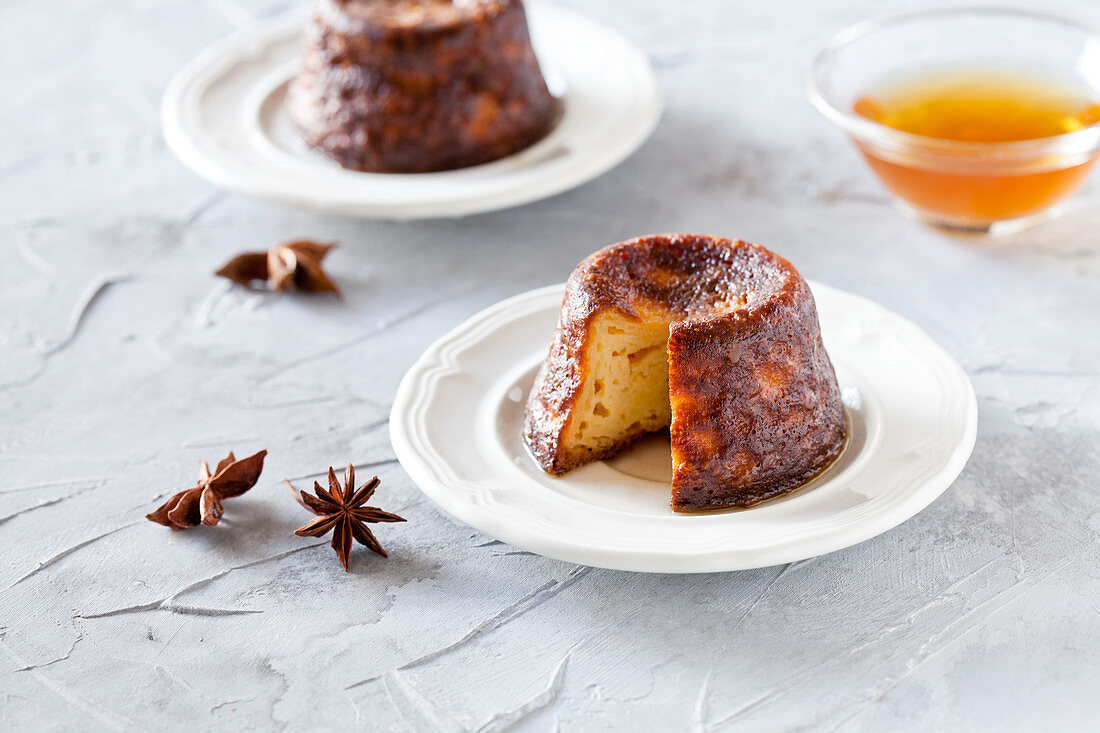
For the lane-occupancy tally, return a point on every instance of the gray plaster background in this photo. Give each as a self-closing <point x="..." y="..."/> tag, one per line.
<point x="123" y="363"/>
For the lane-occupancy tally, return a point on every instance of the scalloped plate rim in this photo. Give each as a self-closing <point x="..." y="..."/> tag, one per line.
<point x="472" y="504"/>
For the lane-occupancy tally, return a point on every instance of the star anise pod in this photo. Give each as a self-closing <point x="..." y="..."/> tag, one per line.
<point x="292" y="265"/>
<point x="203" y="504"/>
<point x="342" y="510"/>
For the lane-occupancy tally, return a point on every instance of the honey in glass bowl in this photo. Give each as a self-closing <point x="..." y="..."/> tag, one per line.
<point x="978" y="118"/>
<point x="976" y="107"/>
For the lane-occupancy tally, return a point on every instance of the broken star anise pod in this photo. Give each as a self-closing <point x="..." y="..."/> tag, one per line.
<point x="342" y="510"/>
<point x="294" y="265"/>
<point x="203" y="504"/>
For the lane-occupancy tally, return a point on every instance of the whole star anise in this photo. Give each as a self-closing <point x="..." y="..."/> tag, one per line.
<point x="284" y="266"/>
<point x="343" y="512"/>
<point x="203" y="504"/>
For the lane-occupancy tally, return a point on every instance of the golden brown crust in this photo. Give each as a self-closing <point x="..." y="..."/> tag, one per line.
<point x="419" y="85"/>
<point x="756" y="407"/>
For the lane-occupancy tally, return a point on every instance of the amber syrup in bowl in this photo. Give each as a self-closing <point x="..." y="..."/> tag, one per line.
<point x="980" y="106"/>
<point x="979" y="135"/>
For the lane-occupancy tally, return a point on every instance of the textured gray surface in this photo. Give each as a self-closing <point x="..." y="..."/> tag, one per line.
<point x="123" y="362"/>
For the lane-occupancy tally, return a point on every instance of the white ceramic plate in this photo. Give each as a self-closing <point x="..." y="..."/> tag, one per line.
<point x="456" y="428"/>
<point x="224" y="117"/>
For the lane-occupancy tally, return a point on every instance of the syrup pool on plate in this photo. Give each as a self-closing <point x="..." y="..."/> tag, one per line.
<point x="983" y="106"/>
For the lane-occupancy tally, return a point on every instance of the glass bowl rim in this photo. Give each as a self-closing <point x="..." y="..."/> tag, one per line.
<point x="866" y="130"/>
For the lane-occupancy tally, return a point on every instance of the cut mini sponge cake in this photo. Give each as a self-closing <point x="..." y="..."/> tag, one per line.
<point x="716" y="339"/>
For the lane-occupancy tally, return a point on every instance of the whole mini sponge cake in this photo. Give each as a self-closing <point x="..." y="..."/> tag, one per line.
<point x="716" y="339"/>
<point x="407" y="86"/>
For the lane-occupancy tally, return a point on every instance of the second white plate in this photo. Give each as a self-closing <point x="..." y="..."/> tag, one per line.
<point x="457" y="420"/>
<point x="224" y="116"/>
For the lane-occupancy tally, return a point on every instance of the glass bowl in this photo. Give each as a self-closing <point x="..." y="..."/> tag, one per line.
<point x="981" y="186"/>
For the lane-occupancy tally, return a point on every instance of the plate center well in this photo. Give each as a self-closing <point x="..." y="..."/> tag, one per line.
<point x="649" y="459"/>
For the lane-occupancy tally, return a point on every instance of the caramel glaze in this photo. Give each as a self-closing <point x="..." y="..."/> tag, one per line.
<point x="419" y="85"/>
<point x="756" y="410"/>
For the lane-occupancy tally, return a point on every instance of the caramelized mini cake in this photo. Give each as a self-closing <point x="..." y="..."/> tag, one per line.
<point x="716" y="339"/>
<point x="409" y="86"/>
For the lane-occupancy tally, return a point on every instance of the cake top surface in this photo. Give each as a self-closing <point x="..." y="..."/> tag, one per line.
<point x="398" y="15"/>
<point x="680" y="277"/>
